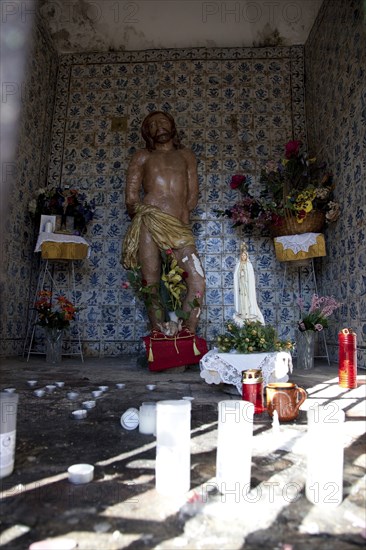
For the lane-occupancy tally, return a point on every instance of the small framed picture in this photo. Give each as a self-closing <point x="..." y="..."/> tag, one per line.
<point x="47" y="224"/>
<point x="64" y="224"/>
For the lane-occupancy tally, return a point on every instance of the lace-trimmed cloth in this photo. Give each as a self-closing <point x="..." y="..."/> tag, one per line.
<point x="299" y="247"/>
<point x="216" y="367"/>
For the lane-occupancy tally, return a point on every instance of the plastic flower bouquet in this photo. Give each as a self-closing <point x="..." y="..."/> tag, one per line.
<point x="167" y="295"/>
<point x="54" y="314"/>
<point x="296" y="188"/>
<point x="298" y="185"/>
<point x="321" y="308"/>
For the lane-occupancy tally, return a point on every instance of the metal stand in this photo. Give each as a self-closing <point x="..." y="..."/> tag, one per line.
<point x="301" y="283"/>
<point x="46" y="278"/>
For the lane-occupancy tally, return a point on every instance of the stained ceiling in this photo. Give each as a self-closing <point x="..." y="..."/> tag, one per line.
<point x="117" y="25"/>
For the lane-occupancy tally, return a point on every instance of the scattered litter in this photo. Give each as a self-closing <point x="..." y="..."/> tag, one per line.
<point x="130" y="419"/>
<point x="102" y="527"/>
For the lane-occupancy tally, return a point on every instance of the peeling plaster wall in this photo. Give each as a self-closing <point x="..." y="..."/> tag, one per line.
<point x="116" y="25"/>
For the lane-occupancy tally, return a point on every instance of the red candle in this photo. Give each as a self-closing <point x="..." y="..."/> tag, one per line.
<point x="347" y="359"/>
<point x="252" y="386"/>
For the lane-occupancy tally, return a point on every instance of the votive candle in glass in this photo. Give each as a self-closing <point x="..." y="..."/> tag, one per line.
<point x="147" y="418"/>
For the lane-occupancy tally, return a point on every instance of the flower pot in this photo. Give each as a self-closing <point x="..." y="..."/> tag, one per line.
<point x="305" y="349"/>
<point x="53" y="345"/>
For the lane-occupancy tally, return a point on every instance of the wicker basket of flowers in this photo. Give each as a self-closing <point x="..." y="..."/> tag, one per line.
<point x="289" y="225"/>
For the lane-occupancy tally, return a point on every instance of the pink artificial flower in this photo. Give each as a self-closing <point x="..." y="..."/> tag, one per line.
<point x="292" y="149"/>
<point x="125" y="284"/>
<point x="237" y="181"/>
<point x="318" y="327"/>
<point x="169" y="251"/>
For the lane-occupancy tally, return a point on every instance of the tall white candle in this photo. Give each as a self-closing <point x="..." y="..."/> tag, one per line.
<point x="173" y="440"/>
<point x="234" y="447"/>
<point x="324" y="477"/>
<point x="147" y="418"/>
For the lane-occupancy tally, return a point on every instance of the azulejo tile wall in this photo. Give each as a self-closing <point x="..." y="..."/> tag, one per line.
<point x="36" y="91"/>
<point x="235" y="108"/>
<point x="336" y="111"/>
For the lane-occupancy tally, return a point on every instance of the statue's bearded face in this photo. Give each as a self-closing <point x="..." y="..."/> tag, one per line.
<point x="160" y="129"/>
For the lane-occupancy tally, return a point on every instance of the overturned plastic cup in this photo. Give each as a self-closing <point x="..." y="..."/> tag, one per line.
<point x="130" y="419"/>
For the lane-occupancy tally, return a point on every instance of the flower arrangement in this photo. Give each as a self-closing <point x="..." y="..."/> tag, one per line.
<point x="250" y="212"/>
<point x="252" y="337"/>
<point x="321" y="308"/>
<point x="56" y="314"/>
<point x="297" y="184"/>
<point x="167" y="295"/>
<point x="291" y="188"/>
<point x="63" y="202"/>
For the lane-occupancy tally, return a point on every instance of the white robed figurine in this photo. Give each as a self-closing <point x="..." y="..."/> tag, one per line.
<point x="245" y="299"/>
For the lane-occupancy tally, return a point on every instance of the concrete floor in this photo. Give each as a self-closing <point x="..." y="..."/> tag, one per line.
<point x="120" y="508"/>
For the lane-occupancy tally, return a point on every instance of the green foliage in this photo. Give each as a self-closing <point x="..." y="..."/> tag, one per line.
<point x="252" y="337"/>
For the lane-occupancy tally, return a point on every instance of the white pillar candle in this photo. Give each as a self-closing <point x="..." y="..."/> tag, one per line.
<point x="48" y="227"/>
<point x="173" y="439"/>
<point x="147" y="418"/>
<point x="324" y="477"/>
<point x="234" y="447"/>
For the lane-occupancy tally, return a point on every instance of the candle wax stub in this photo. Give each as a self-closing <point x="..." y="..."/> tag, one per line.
<point x="80" y="473"/>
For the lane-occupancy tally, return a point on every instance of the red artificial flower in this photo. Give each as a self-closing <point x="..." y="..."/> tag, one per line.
<point x="292" y="149"/>
<point x="125" y="284"/>
<point x="237" y="181"/>
<point x="184" y="275"/>
<point x="276" y="220"/>
<point x="169" y="251"/>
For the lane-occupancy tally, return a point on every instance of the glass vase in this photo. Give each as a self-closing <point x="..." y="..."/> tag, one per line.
<point x="53" y="345"/>
<point x="305" y="349"/>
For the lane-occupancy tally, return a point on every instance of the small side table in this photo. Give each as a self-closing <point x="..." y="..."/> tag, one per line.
<point x="55" y="249"/>
<point x="298" y="251"/>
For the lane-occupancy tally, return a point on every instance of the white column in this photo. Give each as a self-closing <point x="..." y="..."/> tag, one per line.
<point x="234" y="447"/>
<point x="173" y="440"/>
<point x="324" y="477"/>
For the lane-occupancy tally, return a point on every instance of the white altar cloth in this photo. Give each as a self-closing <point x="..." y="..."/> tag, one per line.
<point x="216" y="367"/>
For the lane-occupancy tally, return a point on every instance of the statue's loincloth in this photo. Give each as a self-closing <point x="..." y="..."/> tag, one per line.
<point x="166" y="231"/>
